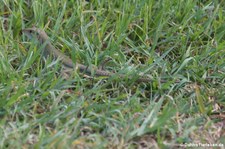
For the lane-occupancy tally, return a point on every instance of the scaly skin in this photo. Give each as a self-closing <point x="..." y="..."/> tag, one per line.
<point x="50" y="50"/>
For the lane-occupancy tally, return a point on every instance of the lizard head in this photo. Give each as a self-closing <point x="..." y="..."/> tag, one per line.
<point x="35" y="33"/>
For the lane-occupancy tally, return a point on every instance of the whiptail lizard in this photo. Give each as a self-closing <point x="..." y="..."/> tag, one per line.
<point x="50" y="50"/>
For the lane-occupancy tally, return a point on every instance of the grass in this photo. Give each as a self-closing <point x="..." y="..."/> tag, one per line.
<point x="164" y="40"/>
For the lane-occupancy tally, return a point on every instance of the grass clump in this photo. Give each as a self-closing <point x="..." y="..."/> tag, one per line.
<point x="173" y="40"/>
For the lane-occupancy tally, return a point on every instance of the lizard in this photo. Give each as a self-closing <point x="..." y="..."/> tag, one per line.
<point x="49" y="50"/>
